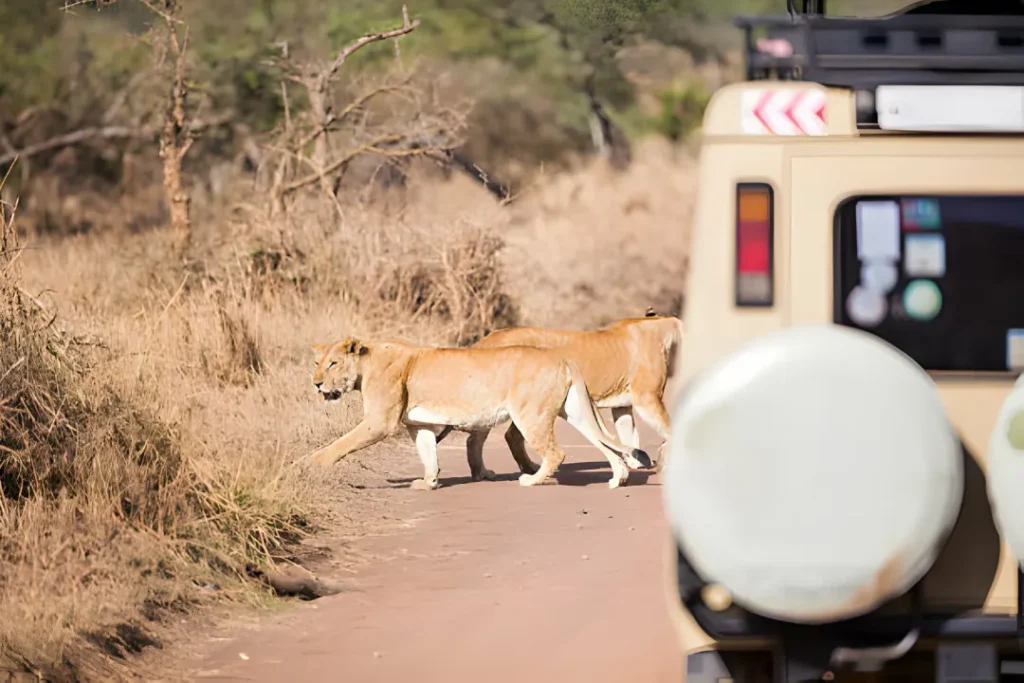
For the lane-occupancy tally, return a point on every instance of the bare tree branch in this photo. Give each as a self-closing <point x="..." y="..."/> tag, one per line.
<point x="351" y="108"/>
<point x="317" y="81"/>
<point x="122" y="95"/>
<point x="470" y="168"/>
<point x="371" y="147"/>
<point x="73" y="138"/>
<point x="406" y="28"/>
<point x="108" y="133"/>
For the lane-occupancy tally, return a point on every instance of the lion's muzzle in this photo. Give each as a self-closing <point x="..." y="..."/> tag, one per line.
<point x="328" y="394"/>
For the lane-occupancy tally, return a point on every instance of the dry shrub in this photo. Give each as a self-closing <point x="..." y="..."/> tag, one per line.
<point x="110" y="514"/>
<point x="242" y="359"/>
<point x="229" y="349"/>
<point x="430" y="273"/>
<point x="457" y="286"/>
<point x="594" y="245"/>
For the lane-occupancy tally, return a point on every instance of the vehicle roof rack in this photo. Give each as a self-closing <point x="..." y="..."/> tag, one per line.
<point x="943" y="42"/>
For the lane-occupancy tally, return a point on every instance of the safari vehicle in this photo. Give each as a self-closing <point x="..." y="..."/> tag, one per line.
<point x="845" y="478"/>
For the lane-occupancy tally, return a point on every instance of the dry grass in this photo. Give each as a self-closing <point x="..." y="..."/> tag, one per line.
<point x="113" y="511"/>
<point x="143" y="458"/>
<point x="592" y="246"/>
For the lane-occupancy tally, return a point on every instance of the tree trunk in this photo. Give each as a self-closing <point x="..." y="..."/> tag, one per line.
<point x="318" y="108"/>
<point x="178" y="201"/>
<point x="175" y="141"/>
<point x="609" y="141"/>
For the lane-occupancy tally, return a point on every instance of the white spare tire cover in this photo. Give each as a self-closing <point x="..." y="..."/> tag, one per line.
<point x="1006" y="470"/>
<point x="813" y="474"/>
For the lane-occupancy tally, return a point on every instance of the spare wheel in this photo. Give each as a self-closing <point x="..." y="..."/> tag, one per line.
<point x="813" y="473"/>
<point x="1006" y="469"/>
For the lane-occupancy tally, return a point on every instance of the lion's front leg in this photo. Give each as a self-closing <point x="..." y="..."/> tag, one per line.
<point x="364" y="434"/>
<point x="426" y="447"/>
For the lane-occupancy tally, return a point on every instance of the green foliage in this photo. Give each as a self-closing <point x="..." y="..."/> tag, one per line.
<point x="517" y="58"/>
<point x="46" y="60"/>
<point x="26" y="40"/>
<point x="682" y="110"/>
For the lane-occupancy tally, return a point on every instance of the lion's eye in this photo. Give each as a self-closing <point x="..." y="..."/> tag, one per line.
<point x="331" y="365"/>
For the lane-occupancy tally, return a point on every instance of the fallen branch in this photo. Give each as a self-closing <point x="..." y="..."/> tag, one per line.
<point x="294" y="581"/>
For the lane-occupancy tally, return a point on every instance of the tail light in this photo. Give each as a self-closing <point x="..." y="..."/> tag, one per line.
<point x="754" y="253"/>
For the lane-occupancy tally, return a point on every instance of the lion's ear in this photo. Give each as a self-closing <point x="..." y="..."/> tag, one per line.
<point x="319" y="350"/>
<point x="356" y="347"/>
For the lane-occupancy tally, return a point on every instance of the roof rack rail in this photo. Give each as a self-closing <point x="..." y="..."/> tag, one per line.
<point x="900" y="49"/>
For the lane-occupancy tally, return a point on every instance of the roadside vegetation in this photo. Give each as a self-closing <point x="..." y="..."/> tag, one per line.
<point x="195" y="192"/>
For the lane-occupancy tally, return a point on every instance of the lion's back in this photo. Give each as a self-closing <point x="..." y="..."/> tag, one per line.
<point x="484" y="373"/>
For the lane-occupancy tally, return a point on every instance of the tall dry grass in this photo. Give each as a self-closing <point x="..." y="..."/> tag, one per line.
<point x="148" y="411"/>
<point x="114" y="512"/>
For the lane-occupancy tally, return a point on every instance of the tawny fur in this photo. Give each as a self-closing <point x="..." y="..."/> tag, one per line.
<point x="625" y="365"/>
<point x="429" y="390"/>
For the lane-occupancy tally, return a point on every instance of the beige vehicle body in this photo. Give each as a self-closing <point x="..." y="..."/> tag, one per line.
<point x="810" y="177"/>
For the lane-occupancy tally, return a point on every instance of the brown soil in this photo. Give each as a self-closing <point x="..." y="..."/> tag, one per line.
<point x="486" y="582"/>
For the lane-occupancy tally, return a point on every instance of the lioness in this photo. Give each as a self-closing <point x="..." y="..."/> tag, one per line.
<point x="625" y="366"/>
<point x="431" y="390"/>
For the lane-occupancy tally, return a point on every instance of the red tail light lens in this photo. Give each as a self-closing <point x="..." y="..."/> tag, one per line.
<point x="754" y="253"/>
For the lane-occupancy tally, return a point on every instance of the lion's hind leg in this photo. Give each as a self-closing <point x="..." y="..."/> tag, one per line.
<point x="541" y="438"/>
<point x="625" y="426"/>
<point x="579" y="411"/>
<point x="517" y="444"/>
<point x="650" y="407"/>
<point x="475" y="456"/>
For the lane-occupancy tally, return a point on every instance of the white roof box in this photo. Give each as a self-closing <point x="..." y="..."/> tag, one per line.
<point x="813" y="474"/>
<point x="951" y="108"/>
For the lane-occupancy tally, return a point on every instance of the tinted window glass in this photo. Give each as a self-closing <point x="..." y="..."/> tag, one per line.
<point x="940" y="277"/>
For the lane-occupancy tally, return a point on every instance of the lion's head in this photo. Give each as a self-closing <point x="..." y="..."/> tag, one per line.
<point x="337" y="368"/>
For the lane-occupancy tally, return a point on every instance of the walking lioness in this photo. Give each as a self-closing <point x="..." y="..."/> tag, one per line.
<point x="625" y="366"/>
<point x="430" y="390"/>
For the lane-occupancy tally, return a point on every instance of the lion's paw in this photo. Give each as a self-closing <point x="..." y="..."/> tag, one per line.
<point x="529" y="468"/>
<point x="485" y="475"/>
<point x="616" y="482"/>
<point x="425" y="485"/>
<point x="533" y="480"/>
<point x="639" y="459"/>
<point x="322" y="458"/>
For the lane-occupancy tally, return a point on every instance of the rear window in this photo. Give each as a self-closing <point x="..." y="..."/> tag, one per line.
<point x="939" y="277"/>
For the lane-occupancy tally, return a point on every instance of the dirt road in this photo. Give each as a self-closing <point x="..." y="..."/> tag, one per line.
<point x="492" y="583"/>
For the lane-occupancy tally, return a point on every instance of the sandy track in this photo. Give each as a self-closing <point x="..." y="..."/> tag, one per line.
<point x="492" y="583"/>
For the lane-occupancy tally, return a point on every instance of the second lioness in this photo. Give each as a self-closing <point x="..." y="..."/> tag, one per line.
<point x="625" y="365"/>
<point x="430" y="390"/>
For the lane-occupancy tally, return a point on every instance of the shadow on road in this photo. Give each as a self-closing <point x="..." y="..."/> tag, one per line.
<point x="569" y="474"/>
